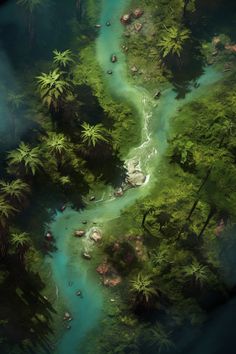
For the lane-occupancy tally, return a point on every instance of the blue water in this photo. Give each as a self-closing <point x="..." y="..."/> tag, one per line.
<point x="68" y="267"/>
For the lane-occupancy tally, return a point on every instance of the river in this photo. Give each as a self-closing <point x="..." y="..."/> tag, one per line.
<point x="69" y="270"/>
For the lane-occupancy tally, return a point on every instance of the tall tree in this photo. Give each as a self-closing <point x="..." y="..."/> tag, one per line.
<point x="92" y="134"/>
<point x="63" y="59"/>
<point x="142" y="288"/>
<point x="26" y="158"/>
<point x="30" y="7"/>
<point x="14" y="190"/>
<point x="53" y="89"/>
<point x="58" y="146"/>
<point x="21" y="243"/>
<point x="173" y="40"/>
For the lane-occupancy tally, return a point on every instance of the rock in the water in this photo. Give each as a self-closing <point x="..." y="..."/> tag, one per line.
<point x="137" y="13"/>
<point x="109" y="72"/>
<point x="92" y="198"/>
<point x="113" y="58"/>
<point x="95" y="235"/>
<point x="48" y="236"/>
<point x="135" y="177"/>
<point x="108" y="23"/>
<point x="119" y="192"/>
<point x="98" y="26"/>
<point x="86" y="255"/>
<point x="125" y="19"/>
<point x="79" y="233"/>
<point x="138" y="26"/>
<point x="67" y="316"/>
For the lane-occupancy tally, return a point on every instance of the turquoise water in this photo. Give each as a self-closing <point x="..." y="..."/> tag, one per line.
<point x="68" y="267"/>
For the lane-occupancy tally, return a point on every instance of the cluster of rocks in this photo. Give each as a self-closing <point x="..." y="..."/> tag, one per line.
<point x="95" y="235"/>
<point x="127" y="18"/>
<point x="67" y="318"/>
<point x="110" y="277"/>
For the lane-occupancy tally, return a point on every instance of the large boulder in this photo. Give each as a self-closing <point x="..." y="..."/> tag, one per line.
<point x="135" y="177"/>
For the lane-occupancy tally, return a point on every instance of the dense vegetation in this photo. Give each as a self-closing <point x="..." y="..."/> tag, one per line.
<point x="175" y="247"/>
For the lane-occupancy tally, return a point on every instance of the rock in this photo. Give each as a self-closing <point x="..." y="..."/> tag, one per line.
<point x="103" y="268"/>
<point x="125" y="19"/>
<point x="79" y="233"/>
<point x="113" y="58"/>
<point x="67" y="316"/>
<point x="84" y="222"/>
<point x="98" y="26"/>
<point x="86" y="255"/>
<point x="112" y="282"/>
<point x="231" y="48"/>
<point x="109" y="72"/>
<point x="215" y="53"/>
<point x="92" y="198"/>
<point x="112" y="300"/>
<point x="157" y="94"/>
<point x="49" y="236"/>
<point x="220" y="228"/>
<point x="137" y="13"/>
<point x="108" y="23"/>
<point x="96" y="236"/>
<point x="119" y="192"/>
<point x="138" y="26"/>
<point x="134" y="69"/>
<point x="63" y="208"/>
<point x="78" y="293"/>
<point x="136" y="179"/>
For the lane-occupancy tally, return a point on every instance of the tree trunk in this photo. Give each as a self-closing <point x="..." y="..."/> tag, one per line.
<point x="211" y="213"/>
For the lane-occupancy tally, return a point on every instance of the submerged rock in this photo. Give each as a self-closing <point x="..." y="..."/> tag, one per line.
<point x="109" y="72"/>
<point x="98" y="26"/>
<point x="108" y="23"/>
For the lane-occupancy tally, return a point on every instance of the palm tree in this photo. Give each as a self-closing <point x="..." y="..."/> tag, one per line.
<point x="57" y="145"/>
<point x="30" y="7"/>
<point x="26" y="157"/>
<point x="161" y="338"/>
<point x="173" y="40"/>
<point x="15" y="189"/>
<point x="52" y="88"/>
<point x="197" y="272"/>
<point x="6" y="212"/>
<point x="142" y="288"/>
<point x="92" y="134"/>
<point x="21" y="243"/>
<point x="63" y="59"/>
<point x="15" y="102"/>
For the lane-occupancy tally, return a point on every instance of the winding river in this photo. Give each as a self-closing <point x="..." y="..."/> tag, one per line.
<point x="69" y="270"/>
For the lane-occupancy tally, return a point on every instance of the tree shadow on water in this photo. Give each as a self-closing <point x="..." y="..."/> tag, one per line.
<point x="25" y="314"/>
